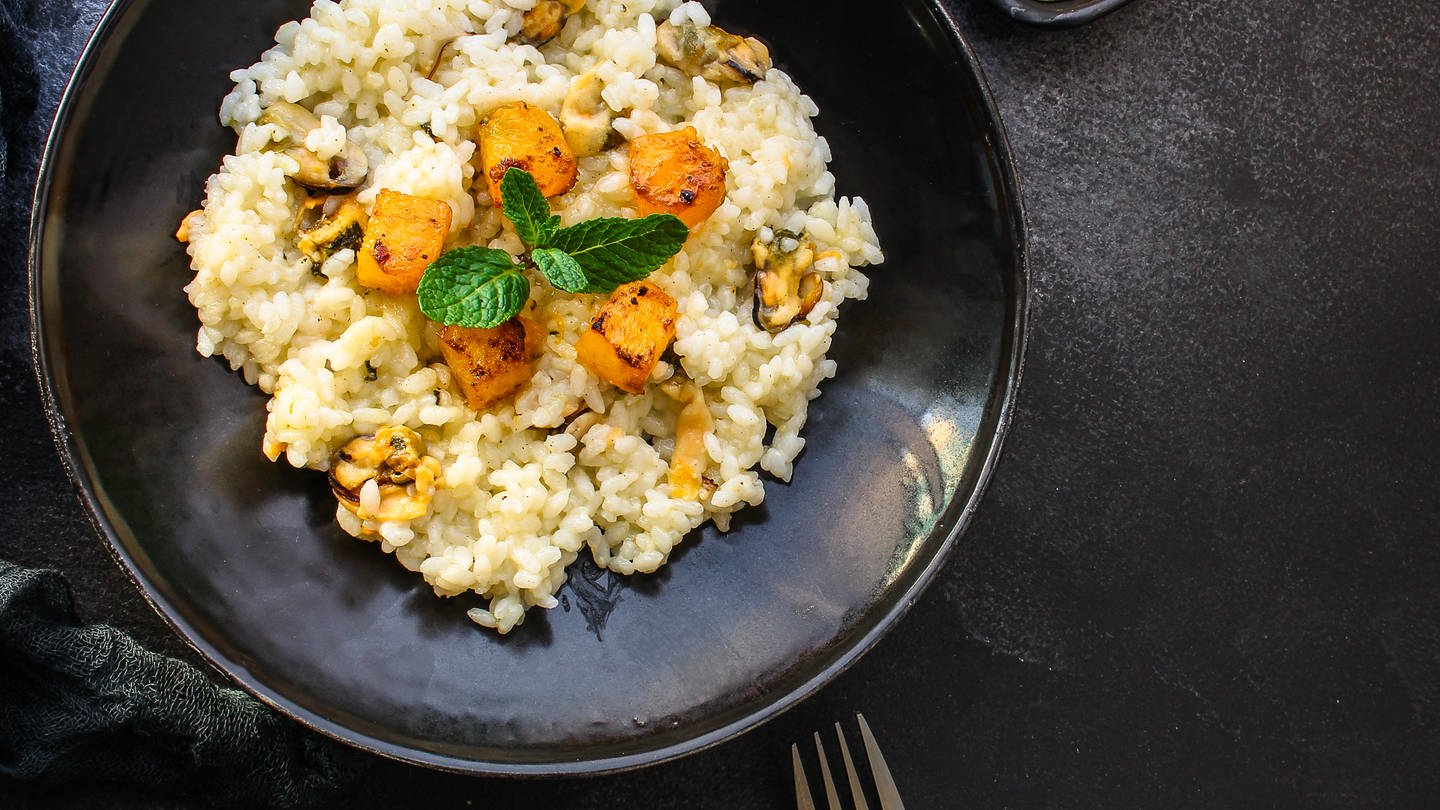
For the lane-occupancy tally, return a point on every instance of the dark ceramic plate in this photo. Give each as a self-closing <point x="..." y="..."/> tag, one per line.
<point x="243" y="558"/>
<point x="1058" y="13"/>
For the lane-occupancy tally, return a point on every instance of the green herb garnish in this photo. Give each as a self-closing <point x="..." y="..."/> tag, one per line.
<point x="561" y="269"/>
<point x="527" y="209"/>
<point x="614" y="251"/>
<point x="482" y="287"/>
<point x="473" y="286"/>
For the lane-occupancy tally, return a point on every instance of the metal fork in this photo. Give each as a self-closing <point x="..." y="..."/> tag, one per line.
<point x="884" y="783"/>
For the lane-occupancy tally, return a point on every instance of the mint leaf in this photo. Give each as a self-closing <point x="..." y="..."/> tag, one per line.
<point x="613" y="250"/>
<point x="476" y="287"/>
<point x="560" y="268"/>
<point x="525" y="205"/>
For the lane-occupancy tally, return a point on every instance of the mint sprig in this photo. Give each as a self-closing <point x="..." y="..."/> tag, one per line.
<point x="614" y="251"/>
<point x="476" y="287"/>
<point x="483" y="287"/>
<point x="561" y="269"/>
<point x="525" y="206"/>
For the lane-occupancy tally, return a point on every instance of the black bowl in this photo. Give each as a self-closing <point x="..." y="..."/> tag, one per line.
<point x="242" y="556"/>
<point x="1058" y="13"/>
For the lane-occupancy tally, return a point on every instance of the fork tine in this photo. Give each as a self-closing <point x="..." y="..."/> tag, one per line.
<point x="884" y="783"/>
<point x="802" y="787"/>
<point x="855" y="790"/>
<point x="830" y="795"/>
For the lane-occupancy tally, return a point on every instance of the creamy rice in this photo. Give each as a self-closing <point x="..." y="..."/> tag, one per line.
<point x="519" y="498"/>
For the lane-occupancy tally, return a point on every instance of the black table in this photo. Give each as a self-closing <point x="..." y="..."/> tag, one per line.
<point x="1206" y="571"/>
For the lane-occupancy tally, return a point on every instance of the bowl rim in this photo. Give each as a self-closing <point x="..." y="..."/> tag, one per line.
<point x="1058" y="13"/>
<point x="117" y="19"/>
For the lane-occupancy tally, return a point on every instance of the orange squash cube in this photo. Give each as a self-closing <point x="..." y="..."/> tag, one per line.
<point x="528" y="138"/>
<point x="491" y="364"/>
<point x="405" y="234"/>
<point x="627" y="337"/>
<point x="687" y="460"/>
<point x="675" y="173"/>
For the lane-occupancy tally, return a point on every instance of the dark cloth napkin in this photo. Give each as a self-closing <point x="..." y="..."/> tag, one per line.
<point x="88" y="702"/>
<point x="17" y="81"/>
<point x="83" y="703"/>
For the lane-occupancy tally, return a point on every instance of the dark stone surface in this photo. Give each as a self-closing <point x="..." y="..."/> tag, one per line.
<point x="1205" y="574"/>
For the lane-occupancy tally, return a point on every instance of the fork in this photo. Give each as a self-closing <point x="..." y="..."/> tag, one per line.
<point x="884" y="783"/>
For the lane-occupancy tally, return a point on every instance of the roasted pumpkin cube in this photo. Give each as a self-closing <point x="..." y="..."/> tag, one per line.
<point x="687" y="460"/>
<point x="629" y="334"/>
<point x="405" y="234"/>
<point x="491" y="364"/>
<point x="529" y="138"/>
<point x="676" y="173"/>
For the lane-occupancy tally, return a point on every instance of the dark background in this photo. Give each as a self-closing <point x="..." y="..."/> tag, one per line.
<point x="1205" y="573"/>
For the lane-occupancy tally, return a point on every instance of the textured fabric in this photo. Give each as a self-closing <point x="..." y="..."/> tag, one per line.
<point x="87" y="702"/>
<point x="17" y="81"/>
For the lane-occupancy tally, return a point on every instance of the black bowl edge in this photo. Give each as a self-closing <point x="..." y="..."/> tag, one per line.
<point x="79" y="468"/>
<point x="1062" y="14"/>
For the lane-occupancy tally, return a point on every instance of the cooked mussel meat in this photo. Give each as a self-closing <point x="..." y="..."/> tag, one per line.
<point x="786" y="289"/>
<point x="346" y="169"/>
<point x="386" y="476"/>
<point x="712" y="52"/>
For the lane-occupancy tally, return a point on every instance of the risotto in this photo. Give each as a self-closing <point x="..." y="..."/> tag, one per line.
<point x="371" y="139"/>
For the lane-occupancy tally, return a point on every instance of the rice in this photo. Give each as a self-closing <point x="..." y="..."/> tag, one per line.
<point x="518" y="498"/>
